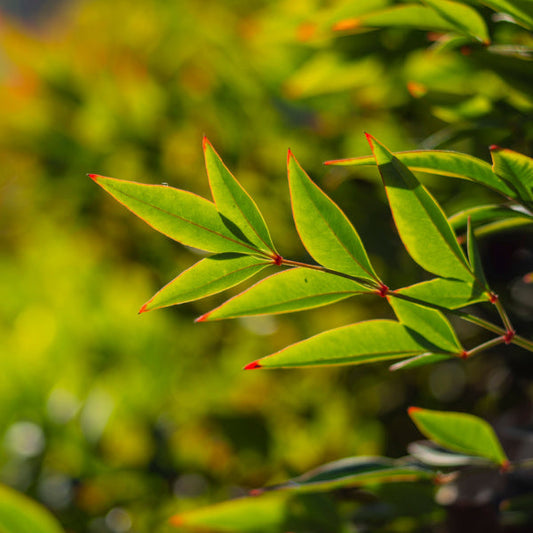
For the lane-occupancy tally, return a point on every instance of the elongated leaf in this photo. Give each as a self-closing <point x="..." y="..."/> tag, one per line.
<point x="327" y="234"/>
<point x="503" y="225"/>
<point x="290" y="290"/>
<point x="516" y="169"/>
<point x="475" y="258"/>
<point x="442" y="293"/>
<point x="520" y="10"/>
<point x="421" y="223"/>
<point x="233" y="201"/>
<point x="420" y="360"/>
<point x="353" y="472"/>
<point x="180" y="215"/>
<point x="460" y="432"/>
<point x="430" y="454"/>
<point x="467" y="21"/>
<point x="429" y="323"/>
<point x="418" y="17"/>
<point x="209" y="276"/>
<point x="485" y="214"/>
<point x="19" y="514"/>
<point x="444" y="163"/>
<point x="364" y="342"/>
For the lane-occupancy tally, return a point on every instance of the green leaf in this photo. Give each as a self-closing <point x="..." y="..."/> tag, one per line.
<point x="364" y="342"/>
<point x="19" y="514"/>
<point x="475" y="259"/>
<point x="516" y="169"/>
<point x="421" y="18"/>
<point x="326" y="233"/>
<point x="353" y="472"/>
<point x="429" y="323"/>
<point x="429" y="453"/>
<point x="520" y="10"/>
<point x="484" y="214"/>
<point x="209" y="276"/>
<point x="444" y="163"/>
<point x="290" y="290"/>
<point x="180" y="215"/>
<point x="233" y="201"/>
<point x="420" y="360"/>
<point x="466" y="20"/>
<point x="460" y="432"/>
<point x="420" y="221"/>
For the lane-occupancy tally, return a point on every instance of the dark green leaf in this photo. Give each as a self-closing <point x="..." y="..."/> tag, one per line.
<point x="516" y="169"/>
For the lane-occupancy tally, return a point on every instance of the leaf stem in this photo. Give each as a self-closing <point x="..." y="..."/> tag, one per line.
<point x="503" y="315"/>
<point x="485" y="346"/>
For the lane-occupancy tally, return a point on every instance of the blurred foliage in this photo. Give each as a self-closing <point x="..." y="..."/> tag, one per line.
<point x="116" y="421"/>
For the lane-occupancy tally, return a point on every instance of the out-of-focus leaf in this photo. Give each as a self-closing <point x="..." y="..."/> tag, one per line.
<point x="180" y="215"/>
<point x="19" y="514"/>
<point x="502" y="225"/>
<point x="475" y="258"/>
<point x="324" y="229"/>
<point x="420" y="221"/>
<point x="429" y="453"/>
<point x="422" y="18"/>
<point x="516" y="169"/>
<point x="460" y="432"/>
<point x="444" y="163"/>
<point x="466" y="20"/>
<point x="233" y="202"/>
<point x="484" y="214"/>
<point x="420" y="360"/>
<point x="364" y="342"/>
<point x="290" y="290"/>
<point x="520" y="10"/>
<point x="429" y="323"/>
<point x="209" y="276"/>
<point x="354" y="472"/>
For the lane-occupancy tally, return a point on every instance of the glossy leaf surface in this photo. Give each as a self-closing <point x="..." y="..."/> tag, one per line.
<point x="421" y="223"/>
<point x="290" y="290"/>
<point x="326" y="233"/>
<point x="364" y="342"/>
<point x="485" y="214"/>
<point x="209" y="276"/>
<point x="460" y="432"/>
<point x="516" y="169"/>
<point x="180" y="215"/>
<point x="233" y="202"/>
<point x="444" y="163"/>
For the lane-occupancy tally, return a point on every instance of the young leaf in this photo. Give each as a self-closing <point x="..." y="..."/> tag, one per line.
<point x="474" y="258"/>
<point x="460" y="432"/>
<point x="444" y="163"/>
<point x="485" y="214"/>
<point x="516" y="169"/>
<point x="209" y="276"/>
<point x="19" y="514"/>
<point x="364" y="342"/>
<point x="290" y="290"/>
<point x="421" y="223"/>
<point x="233" y="202"/>
<point x="429" y="323"/>
<point x="353" y="472"/>
<point x="327" y="234"/>
<point x="180" y="215"/>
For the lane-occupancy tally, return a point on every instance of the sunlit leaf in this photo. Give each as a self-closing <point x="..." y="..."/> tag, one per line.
<point x="460" y="432"/>
<point x="209" y="276"/>
<point x="290" y="290"/>
<point x="444" y="163"/>
<point x="233" y="202"/>
<point x="324" y="229"/>
<point x="421" y="223"/>
<point x="19" y="514"/>
<point x="364" y="342"/>
<point x="180" y="215"/>
<point x="484" y="214"/>
<point x="516" y="169"/>
<point x="521" y="11"/>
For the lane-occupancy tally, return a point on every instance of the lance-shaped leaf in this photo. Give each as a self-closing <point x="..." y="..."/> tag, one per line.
<point x="364" y="342"/>
<point x="209" y="276"/>
<point x="353" y="472"/>
<point x="326" y="233"/>
<point x="486" y="214"/>
<point x="444" y="163"/>
<point x="516" y="169"/>
<point x="233" y="201"/>
<point x="460" y="432"/>
<point x="475" y="259"/>
<point x="420" y="360"/>
<point x="180" y="215"/>
<point x="429" y="323"/>
<point x="520" y="10"/>
<point x="420" y="221"/>
<point x="421" y="18"/>
<point x="290" y="290"/>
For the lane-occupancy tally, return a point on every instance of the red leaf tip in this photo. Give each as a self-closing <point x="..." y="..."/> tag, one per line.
<point x="252" y="365"/>
<point x="412" y="410"/>
<point x="94" y="177"/>
<point x="206" y="142"/>
<point x="143" y="308"/>
<point x="494" y="147"/>
<point x="202" y="318"/>
<point x="176" y="520"/>
<point x="256" y="492"/>
<point x="289" y="155"/>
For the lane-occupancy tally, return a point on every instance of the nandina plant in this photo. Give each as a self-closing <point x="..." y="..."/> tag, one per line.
<point x="233" y="230"/>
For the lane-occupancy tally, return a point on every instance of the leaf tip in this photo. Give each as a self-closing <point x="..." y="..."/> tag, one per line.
<point x="206" y="143"/>
<point x="346" y="24"/>
<point x="505" y="466"/>
<point x="495" y="148"/>
<point x="290" y="156"/>
<point x="94" y="177"/>
<point x="252" y="366"/>
<point x="256" y="492"/>
<point x="143" y="309"/>
<point x="176" y="520"/>
<point x="202" y="318"/>
<point x="413" y="410"/>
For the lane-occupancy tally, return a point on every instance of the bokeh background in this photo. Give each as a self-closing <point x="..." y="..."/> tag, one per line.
<point x="115" y="421"/>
